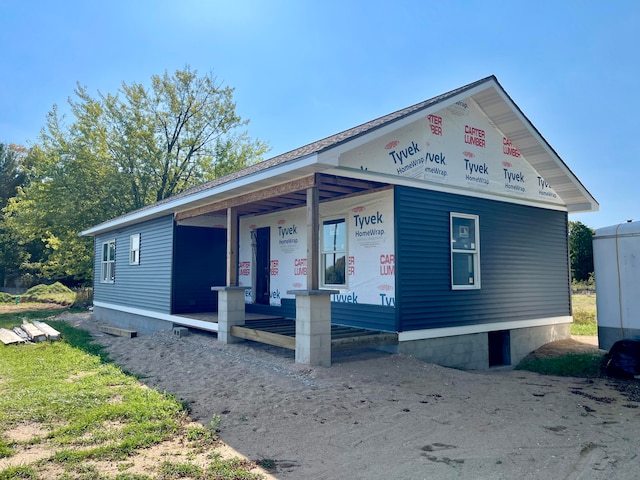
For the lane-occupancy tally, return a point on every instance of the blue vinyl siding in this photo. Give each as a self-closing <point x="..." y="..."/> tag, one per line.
<point x="524" y="266"/>
<point x="147" y="285"/>
<point x="199" y="263"/>
<point x="374" y="317"/>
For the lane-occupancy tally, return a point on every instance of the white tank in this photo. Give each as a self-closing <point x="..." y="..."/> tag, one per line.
<point x="616" y="257"/>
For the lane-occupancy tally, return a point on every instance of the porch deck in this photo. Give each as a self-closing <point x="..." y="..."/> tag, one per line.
<point x="281" y="332"/>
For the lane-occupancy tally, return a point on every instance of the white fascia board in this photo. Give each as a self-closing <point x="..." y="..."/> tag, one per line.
<point x="480" y="328"/>
<point x="183" y="202"/>
<point x="331" y="156"/>
<point x="187" y="322"/>
<point x="438" y="187"/>
<point x="590" y="200"/>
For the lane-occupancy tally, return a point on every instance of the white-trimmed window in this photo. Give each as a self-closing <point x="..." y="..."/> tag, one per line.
<point x="334" y="252"/>
<point x="108" y="262"/>
<point x="465" y="251"/>
<point x="134" y="249"/>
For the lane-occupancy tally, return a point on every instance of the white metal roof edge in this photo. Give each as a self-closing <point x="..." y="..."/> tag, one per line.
<point x="172" y="205"/>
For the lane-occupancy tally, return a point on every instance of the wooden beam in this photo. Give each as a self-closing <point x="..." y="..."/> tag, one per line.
<point x="33" y="332"/>
<point x="232" y="247"/>
<point x="264" y="337"/>
<point x="313" y="238"/>
<point x="120" y="332"/>
<point x="265" y="193"/>
<point x="8" y="337"/>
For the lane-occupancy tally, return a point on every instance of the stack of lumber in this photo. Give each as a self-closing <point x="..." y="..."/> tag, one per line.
<point x="51" y="333"/>
<point x="29" y="332"/>
<point x="8" y="337"/>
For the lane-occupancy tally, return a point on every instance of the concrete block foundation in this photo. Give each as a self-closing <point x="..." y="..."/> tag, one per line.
<point x="313" y="327"/>
<point x="471" y="351"/>
<point x="131" y="321"/>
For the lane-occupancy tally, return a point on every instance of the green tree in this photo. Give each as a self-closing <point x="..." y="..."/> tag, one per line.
<point x="119" y="153"/>
<point x="12" y="177"/>
<point x="581" y="250"/>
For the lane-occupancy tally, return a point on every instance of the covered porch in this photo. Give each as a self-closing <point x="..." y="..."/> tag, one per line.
<point x="311" y="334"/>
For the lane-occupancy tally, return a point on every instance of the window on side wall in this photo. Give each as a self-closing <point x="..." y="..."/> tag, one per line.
<point x="465" y="252"/>
<point x="108" y="262"/>
<point x="134" y="249"/>
<point x="334" y="252"/>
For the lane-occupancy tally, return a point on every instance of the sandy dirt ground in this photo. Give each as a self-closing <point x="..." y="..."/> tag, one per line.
<point x="379" y="416"/>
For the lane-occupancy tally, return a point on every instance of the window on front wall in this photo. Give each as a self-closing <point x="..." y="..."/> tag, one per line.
<point x="334" y="252"/>
<point x="108" y="262"/>
<point x="134" y="249"/>
<point x="465" y="251"/>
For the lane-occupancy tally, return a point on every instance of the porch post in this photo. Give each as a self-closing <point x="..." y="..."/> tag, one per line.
<point x="231" y="311"/>
<point x="313" y="326"/>
<point x="313" y="306"/>
<point x="232" y="247"/>
<point x="313" y="241"/>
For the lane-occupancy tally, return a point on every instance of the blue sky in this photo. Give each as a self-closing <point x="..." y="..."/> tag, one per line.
<point x="306" y="69"/>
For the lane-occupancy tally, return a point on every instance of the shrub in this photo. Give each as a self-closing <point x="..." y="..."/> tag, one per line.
<point x="56" y="293"/>
<point x="583" y="317"/>
<point x="584" y="286"/>
<point x="7" y="298"/>
<point x="84" y="298"/>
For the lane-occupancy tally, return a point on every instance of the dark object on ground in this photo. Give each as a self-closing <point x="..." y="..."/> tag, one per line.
<point x="624" y="359"/>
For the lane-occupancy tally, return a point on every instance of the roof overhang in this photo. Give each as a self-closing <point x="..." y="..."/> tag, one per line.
<point x="496" y="104"/>
<point x="242" y="185"/>
<point x="488" y="94"/>
<point x="506" y="115"/>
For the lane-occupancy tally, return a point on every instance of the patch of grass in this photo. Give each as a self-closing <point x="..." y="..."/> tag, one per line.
<point x="15" y="319"/>
<point x="570" y="365"/>
<point x="55" y="293"/>
<point x="169" y="470"/>
<point x="215" y="423"/>
<point x="5" y="449"/>
<point x="589" y="329"/>
<point x="584" y="315"/>
<point x="80" y="339"/>
<point x="131" y="476"/>
<point x="88" y="411"/>
<point x="22" y="471"/>
<point x="233" y="469"/>
<point x="6" y="297"/>
<point x="201" y="436"/>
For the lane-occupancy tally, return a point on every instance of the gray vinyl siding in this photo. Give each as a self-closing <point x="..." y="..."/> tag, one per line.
<point x="524" y="266"/>
<point x="147" y="285"/>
